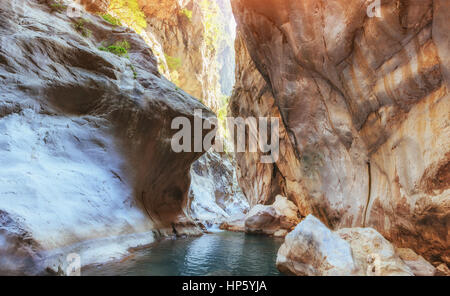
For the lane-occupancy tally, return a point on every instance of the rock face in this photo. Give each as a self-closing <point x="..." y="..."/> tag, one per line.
<point x="416" y="263"/>
<point x="194" y="39"/>
<point x="84" y="138"/>
<point x="313" y="249"/>
<point x="95" y="6"/>
<point x="225" y="51"/>
<point x="214" y="195"/>
<point x="196" y="48"/>
<point x="261" y="182"/>
<point x="364" y="103"/>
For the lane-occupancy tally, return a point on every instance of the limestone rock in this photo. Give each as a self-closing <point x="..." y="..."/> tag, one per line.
<point x="373" y="253"/>
<point x="313" y="249"/>
<point x="85" y="140"/>
<point x="280" y="233"/>
<point x="262" y="219"/>
<point x="364" y="105"/>
<point x="236" y="224"/>
<point x="95" y="6"/>
<point x="287" y="211"/>
<point x="416" y="263"/>
<point x="442" y="270"/>
<point x="214" y="195"/>
<point x="196" y="56"/>
<point x="276" y="219"/>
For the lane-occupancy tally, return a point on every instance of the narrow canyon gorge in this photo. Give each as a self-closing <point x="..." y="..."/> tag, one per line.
<point x="359" y="183"/>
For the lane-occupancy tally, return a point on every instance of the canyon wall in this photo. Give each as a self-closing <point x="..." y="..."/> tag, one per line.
<point x="364" y="104"/>
<point x="193" y="45"/>
<point x="215" y="196"/>
<point x="85" y="139"/>
<point x="197" y="45"/>
<point x="195" y="41"/>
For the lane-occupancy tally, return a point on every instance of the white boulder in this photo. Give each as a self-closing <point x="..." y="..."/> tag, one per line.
<point x="313" y="249"/>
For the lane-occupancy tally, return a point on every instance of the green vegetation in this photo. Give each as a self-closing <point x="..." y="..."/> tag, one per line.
<point x="187" y="13"/>
<point x="172" y="62"/>
<point x="161" y="67"/>
<point x="222" y="116"/>
<point x="222" y="112"/>
<point x="80" y="27"/>
<point x="134" y="71"/>
<point x="119" y="48"/>
<point x="58" y="5"/>
<point x="112" y="20"/>
<point x="224" y="100"/>
<point x="213" y="29"/>
<point x="129" y="12"/>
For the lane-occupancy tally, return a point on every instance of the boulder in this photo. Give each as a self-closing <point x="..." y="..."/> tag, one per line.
<point x="313" y="249"/>
<point x="262" y="219"/>
<point x="287" y="211"/>
<point x="276" y="219"/>
<point x="237" y="225"/>
<point x="373" y="253"/>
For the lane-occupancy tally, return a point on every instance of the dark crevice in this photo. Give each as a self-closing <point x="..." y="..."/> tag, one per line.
<point x="368" y="192"/>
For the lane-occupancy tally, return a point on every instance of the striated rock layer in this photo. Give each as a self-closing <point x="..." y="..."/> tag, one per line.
<point x="85" y="138"/>
<point x="365" y="106"/>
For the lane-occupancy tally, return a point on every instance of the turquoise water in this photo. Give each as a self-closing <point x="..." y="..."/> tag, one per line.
<point x="222" y="253"/>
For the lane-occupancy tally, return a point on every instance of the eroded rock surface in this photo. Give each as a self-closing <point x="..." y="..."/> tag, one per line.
<point x="364" y="103"/>
<point x="214" y="195"/>
<point x="418" y="265"/>
<point x="196" y="40"/>
<point x="95" y="6"/>
<point x="84" y="138"/>
<point x="252" y="97"/>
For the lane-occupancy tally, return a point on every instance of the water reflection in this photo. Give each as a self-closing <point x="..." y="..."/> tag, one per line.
<point x="223" y="253"/>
